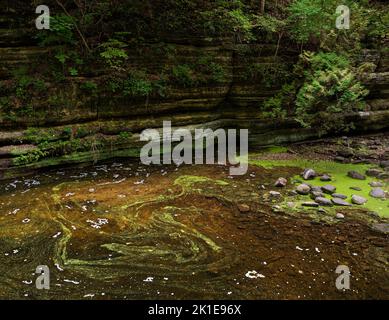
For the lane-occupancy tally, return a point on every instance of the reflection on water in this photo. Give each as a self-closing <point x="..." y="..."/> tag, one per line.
<point x="121" y="230"/>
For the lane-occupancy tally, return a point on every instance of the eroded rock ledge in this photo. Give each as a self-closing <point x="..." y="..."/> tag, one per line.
<point x="81" y="127"/>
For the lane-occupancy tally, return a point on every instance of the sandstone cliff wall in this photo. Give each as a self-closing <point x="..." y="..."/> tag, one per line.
<point x="84" y="127"/>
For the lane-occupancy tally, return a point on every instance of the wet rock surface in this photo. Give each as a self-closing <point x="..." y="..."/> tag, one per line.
<point x="377" y="193"/>
<point x="324" y="201"/>
<point x="303" y="189"/>
<point x="373" y="172"/>
<point x="281" y="182"/>
<point x="356" y="175"/>
<point x="316" y="194"/>
<point x="308" y="174"/>
<point x="310" y="204"/>
<point x="329" y="189"/>
<point x="325" y="177"/>
<point x="358" y="200"/>
<point x="376" y="184"/>
<point x="275" y="194"/>
<point x="339" y="195"/>
<point x="340" y="202"/>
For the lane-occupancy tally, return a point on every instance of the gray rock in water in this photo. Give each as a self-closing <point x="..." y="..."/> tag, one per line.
<point x="303" y="189"/>
<point x="358" y="199"/>
<point x="340" y="202"/>
<point x="328" y="189"/>
<point x="281" y="182"/>
<point x="310" y="204"/>
<point x="324" y="201"/>
<point x="340" y="159"/>
<point x="381" y="227"/>
<point x="377" y="193"/>
<point x="376" y="184"/>
<point x="383" y="175"/>
<point x="292" y="193"/>
<point x="315" y="189"/>
<point x="316" y="194"/>
<point x="384" y="164"/>
<point x="339" y="195"/>
<point x="356" y="188"/>
<point x="373" y="172"/>
<point x="345" y="153"/>
<point x="339" y="216"/>
<point x="325" y="177"/>
<point x="275" y="194"/>
<point x="308" y="174"/>
<point x="356" y="175"/>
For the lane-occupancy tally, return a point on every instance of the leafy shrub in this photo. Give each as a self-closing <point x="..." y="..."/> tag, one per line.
<point x="61" y="31"/>
<point x="326" y="89"/>
<point x="113" y="53"/>
<point x="241" y="25"/>
<point x="89" y="86"/>
<point x="277" y="107"/>
<point x="269" y="74"/>
<point x="137" y="84"/>
<point x="330" y="92"/>
<point x="184" y="75"/>
<point x="209" y="69"/>
<point x="73" y="71"/>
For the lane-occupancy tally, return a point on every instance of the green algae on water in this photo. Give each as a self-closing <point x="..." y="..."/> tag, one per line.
<point x="338" y="173"/>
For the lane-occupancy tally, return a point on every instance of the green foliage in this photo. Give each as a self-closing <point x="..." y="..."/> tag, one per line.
<point x="310" y="18"/>
<point x="73" y="71"/>
<point x="89" y="86"/>
<point x="61" y="57"/>
<point x="269" y="74"/>
<point x="61" y="31"/>
<point x="326" y="89"/>
<point x="377" y="27"/>
<point x="113" y="53"/>
<point x="330" y="92"/>
<point x="125" y="135"/>
<point x="30" y="157"/>
<point x="67" y="132"/>
<point x="228" y="18"/>
<point x="184" y="75"/>
<point x="137" y="84"/>
<point x="205" y="70"/>
<point x="21" y="90"/>
<point x="314" y="21"/>
<point x="70" y="64"/>
<point x="277" y="107"/>
<point x="241" y="25"/>
<point x="269" y="24"/>
<point x="210" y="70"/>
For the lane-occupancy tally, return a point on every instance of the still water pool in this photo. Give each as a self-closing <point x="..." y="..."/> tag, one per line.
<point x="127" y="231"/>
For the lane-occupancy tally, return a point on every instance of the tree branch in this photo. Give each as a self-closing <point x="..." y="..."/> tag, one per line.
<point x="76" y="26"/>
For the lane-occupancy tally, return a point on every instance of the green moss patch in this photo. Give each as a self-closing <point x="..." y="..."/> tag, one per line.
<point x="338" y="172"/>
